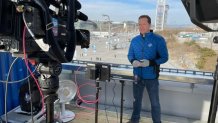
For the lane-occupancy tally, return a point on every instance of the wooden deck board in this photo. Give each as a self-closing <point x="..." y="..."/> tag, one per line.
<point x="87" y="116"/>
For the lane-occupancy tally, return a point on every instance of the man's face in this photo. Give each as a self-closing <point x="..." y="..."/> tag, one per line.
<point x="144" y="26"/>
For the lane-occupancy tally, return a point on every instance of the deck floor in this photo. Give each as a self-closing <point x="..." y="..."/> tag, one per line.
<point x="88" y="116"/>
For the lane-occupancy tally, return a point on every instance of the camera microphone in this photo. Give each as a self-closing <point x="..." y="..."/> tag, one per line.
<point x="82" y="16"/>
<point x="78" y="5"/>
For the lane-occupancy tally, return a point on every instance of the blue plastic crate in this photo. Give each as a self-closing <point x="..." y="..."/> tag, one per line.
<point x="18" y="72"/>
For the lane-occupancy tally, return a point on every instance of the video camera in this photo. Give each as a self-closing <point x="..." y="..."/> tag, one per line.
<point x="45" y="28"/>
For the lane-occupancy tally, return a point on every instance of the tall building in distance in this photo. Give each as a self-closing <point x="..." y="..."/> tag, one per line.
<point x="161" y="15"/>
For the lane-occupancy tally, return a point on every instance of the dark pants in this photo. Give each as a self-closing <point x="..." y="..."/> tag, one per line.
<point x="152" y="87"/>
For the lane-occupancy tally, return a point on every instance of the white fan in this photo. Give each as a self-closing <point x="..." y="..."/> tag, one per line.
<point x="66" y="92"/>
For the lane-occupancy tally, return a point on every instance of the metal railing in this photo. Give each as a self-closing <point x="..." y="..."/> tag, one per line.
<point x="166" y="70"/>
<point x="190" y="72"/>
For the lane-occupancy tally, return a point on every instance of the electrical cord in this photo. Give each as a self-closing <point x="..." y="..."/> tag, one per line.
<point x="31" y="73"/>
<point x="17" y="81"/>
<point x="27" y="27"/>
<point x="41" y="44"/>
<point x="6" y="89"/>
<point x="78" y="91"/>
<point x="53" y="50"/>
<point x="81" y="99"/>
<point x="7" y="82"/>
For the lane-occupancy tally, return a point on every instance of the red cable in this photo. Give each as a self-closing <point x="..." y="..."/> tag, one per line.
<point x="82" y="97"/>
<point x="31" y="73"/>
<point x="85" y="107"/>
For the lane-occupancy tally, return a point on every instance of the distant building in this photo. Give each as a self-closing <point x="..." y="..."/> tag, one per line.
<point x="90" y="25"/>
<point x="101" y="34"/>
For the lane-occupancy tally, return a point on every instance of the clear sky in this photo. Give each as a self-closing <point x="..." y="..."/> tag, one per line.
<point x="123" y="10"/>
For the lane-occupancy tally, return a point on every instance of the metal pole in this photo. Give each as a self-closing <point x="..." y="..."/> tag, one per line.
<point x="121" y="101"/>
<point x="96" y="104"/>
<point x="50" y="112"/>
<point x="109" y="29"/>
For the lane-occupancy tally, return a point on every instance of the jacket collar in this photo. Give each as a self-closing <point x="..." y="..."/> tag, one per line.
<point x="145" y="35"/>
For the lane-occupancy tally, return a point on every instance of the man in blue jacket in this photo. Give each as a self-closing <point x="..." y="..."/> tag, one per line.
<point x="146" y="52"/>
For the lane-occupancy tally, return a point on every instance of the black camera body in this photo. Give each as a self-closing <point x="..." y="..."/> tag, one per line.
<point x="48" y="20"/>
<point x="11" y="29"/>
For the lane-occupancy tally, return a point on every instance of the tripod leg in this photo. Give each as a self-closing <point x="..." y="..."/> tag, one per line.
<point x="214" y="99"/>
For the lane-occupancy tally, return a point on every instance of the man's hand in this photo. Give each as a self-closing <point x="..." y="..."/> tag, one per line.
<point x="144" y="63"/>
<point x="141" y="63"/>
<point x="136" y="63"/>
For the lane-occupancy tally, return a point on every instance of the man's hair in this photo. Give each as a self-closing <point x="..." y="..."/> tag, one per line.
<point x="145" y="16"/>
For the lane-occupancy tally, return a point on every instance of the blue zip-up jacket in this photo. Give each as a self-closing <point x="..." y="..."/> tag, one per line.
<point x="151" y="47"/>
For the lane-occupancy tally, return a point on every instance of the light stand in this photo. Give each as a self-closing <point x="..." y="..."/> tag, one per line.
<point x="49" y="84"/>
<point x="98" y="72"/>
<point x="98" y="88"/>
<point x="122" y="81"/>
<point x="122" y="100"/>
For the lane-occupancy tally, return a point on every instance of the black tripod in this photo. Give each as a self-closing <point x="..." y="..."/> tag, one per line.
<point x="49" y="84"/>
<point x="121" y="100"/>
<point x="214" y="98"/>
<point x="98" y="88"/>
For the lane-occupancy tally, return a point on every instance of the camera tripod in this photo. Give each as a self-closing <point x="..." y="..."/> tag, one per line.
<point x="49" y="84"/>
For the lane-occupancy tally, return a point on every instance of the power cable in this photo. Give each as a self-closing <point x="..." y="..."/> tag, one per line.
<point x="6" y="89"/>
